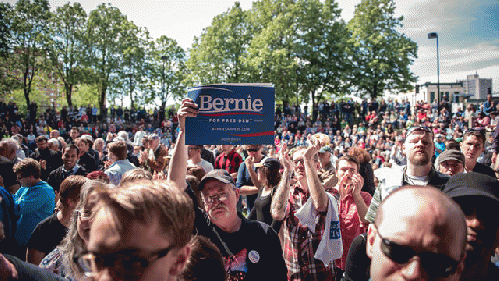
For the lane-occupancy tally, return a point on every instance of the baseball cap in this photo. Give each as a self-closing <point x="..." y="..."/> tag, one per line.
<point x="473" y="184"/>
<point x="325" y="148"/>
<point x="450" y="154"/>
<point x="270" y="163"/>
<point x="218" y="174"/>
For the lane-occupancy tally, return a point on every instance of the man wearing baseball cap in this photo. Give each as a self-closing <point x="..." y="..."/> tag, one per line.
<point x="450" y="162"/>
<point x="251" y="249"/>
<point x="477" y="195"/>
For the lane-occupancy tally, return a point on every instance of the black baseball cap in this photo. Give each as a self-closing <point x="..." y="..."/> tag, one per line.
<point x="270" y="163"/>
<point x="473" y="184"/>
<point x="218" y="174"/>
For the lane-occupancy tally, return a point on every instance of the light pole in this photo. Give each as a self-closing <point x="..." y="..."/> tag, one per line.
<point x="130" y="75"/>
<point x="434" y="35"/>
<point x="164" y="58"/>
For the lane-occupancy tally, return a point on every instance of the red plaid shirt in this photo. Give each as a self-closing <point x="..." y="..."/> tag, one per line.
<point x="300" y="244"/>
<point x="230" y="163"/>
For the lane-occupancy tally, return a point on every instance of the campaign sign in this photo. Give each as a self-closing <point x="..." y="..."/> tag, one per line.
<point x="232" y="114"/>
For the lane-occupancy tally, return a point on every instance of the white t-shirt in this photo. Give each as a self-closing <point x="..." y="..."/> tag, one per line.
<point x="203" y="164"/>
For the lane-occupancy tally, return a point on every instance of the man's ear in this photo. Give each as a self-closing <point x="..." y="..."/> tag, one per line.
<point x="180" y="260"/>
<point x="371" y="237"/>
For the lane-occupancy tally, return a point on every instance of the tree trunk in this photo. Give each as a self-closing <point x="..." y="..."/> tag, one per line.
<point x="69" y="92"/>
<point x="102" y="100"/>
<point x="25" y="87"/>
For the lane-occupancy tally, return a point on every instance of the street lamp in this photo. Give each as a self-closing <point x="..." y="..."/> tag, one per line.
<point x="130" y="75"/>
<point x="434" y="35"/>
<point x="164" y="58"/>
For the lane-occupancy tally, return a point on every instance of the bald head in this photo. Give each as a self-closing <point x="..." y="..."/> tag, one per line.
<point x="423" y="205"/>
<point x="423" y="219"/>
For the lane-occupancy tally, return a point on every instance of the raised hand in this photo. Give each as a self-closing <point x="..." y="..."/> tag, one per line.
<point x="187" y="109"/>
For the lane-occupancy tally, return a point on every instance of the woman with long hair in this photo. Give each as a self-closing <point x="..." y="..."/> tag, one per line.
<point x="61" y="259"/>
<point x="268" y="180"/>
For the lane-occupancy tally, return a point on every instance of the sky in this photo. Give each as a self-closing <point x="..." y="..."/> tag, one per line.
<point x="468" y="30"/>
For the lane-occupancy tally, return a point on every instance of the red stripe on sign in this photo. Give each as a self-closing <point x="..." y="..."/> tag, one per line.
<point x="269" y="133"/>
<point x="229" y="113"/>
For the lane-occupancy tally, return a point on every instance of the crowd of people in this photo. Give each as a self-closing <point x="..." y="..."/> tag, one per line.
<point x="353" y="191"/>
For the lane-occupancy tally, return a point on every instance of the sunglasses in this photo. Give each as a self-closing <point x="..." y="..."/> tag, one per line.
<point x="437" y="265"/>
<point x="475" y="131"/>
<point x="252" y="149"/>
<point x="423" y="129"/>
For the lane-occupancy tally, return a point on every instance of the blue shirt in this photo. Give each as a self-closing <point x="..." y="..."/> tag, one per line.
<point x="117" y="169"/>
<point x="33" y="204"/>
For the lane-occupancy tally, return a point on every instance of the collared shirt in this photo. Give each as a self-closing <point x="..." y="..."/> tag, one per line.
<point x="230" y="163"/>
<point x="117" y="170"/>
<point x="300" y="244"/>
<point x="350" y="224"/>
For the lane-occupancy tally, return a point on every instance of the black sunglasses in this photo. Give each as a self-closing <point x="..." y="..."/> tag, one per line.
<point x="475" y="131"/>
<point x="423" y="129"/>
<point x="437" y="265"/>
<point x="252" y="149"/>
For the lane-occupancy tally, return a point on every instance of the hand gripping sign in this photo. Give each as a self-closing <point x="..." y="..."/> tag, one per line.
<point x="232" y="114"/>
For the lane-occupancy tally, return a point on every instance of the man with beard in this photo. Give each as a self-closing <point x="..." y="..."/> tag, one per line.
<point x="69" y="167"/>
<point x="419" y="149"/>
<point x="251" y="249"/>
<point x="477" y="195"/>
<point x="49" y="160"/>
<point x="472" y="147"/>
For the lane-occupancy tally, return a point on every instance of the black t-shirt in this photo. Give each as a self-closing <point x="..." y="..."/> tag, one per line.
<point x="262" y="208"/>
<point x="251" y="253"/>
<point x="47" y="235"/>
<point x="484" y="169"/>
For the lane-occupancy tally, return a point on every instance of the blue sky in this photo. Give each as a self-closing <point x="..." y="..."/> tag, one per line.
<point x="468" y="29"/>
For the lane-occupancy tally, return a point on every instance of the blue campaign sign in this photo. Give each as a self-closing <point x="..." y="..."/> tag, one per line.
<point x="232" y="114"/>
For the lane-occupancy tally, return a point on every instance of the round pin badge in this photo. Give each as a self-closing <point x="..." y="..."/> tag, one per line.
<point x="254" y="256"/>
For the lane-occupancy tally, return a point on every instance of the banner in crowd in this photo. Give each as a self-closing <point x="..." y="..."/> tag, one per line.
<point x="232" y="114"/>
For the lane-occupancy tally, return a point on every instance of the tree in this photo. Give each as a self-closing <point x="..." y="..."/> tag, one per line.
<point x="104" y="48"/>
<point x="29" y="37"/>
<point x="66" y="47"/>
<point x="167" y="68"/>
<point x="381" y="54"/>
<point x="301" y="50"/>
<point x="216" y="57"/>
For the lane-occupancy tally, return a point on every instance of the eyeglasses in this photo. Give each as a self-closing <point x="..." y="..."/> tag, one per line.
<point x="475" y="131"/>
<point x="252" y="149"/>
<point x="125" y="265"/>
<point x="437" y="265"/>
<point x="301" y="160"/>
<point x="215" y="198"/>
<point x="84" y="214"/>
<point x="423" y="129"/>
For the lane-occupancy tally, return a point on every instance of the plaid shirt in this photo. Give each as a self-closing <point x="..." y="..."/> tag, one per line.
<point x="300" y="244"/>
<point x="230" y="162"/>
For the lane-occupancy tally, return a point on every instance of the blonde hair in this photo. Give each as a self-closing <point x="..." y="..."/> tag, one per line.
<point x="141" y="201"/>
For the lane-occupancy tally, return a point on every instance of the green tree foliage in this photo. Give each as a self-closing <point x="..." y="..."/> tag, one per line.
<point x="167" y="69"/>
<point x="86" y="94"/>
<point x="381" y="54"/>
<point x="301" y="50"/>
<point x="216" y="57"/>
<point x="135" y="66"/>
<point x="9" y="69"/>
<point x="103" y="39"/>
<point x="29" y="32"/>
<point x="66" y="47"/>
